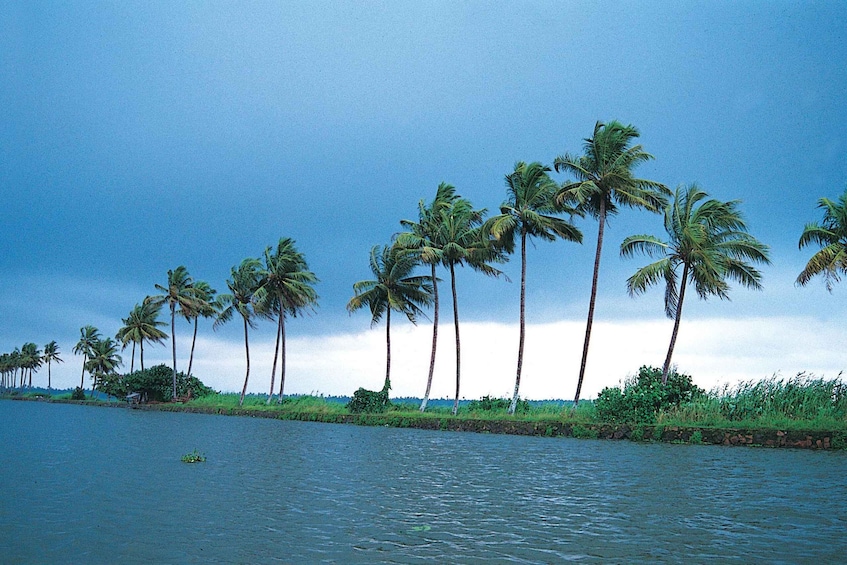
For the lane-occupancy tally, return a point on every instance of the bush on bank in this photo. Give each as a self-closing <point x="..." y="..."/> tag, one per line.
<point x="154" y="385"/>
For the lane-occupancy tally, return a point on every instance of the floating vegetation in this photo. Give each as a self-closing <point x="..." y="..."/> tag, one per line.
<point x="193" y="457"/>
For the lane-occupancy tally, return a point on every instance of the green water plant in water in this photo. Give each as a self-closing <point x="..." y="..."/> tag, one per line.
<point x="193" y="457"/>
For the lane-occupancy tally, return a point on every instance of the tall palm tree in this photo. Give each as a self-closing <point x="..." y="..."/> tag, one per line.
<point x="394" y="288"/>
<point x="51" y="355"/>
<point x="831" y="235"/>
<point x="245" y="280"/>
<point x="422" y="237"/>
<point x="528" y="212"/>
<point x="141" y="325"/>
<point x="463" y="242"/>
<point x="604" y="181"/>
<point x="103" y="361"/>
<point x="288" y="291"/>
<point x="179" y="293"/>
<point x="205" y="306"/>
<point x="709" y="240"/>
<point x="88" y="336"/>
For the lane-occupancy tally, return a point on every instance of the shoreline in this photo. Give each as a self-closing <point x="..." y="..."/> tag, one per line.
<point x="690" y="435"/>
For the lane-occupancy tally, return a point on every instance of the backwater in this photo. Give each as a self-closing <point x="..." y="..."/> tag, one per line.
<point x="106" y="485"/>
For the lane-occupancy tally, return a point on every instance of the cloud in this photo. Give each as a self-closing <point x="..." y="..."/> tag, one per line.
<point x="712" y="350"/>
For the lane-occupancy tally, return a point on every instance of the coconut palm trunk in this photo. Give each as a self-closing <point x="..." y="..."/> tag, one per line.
<point x="141" y="354"/>
<point x="667" y="366"/>
<point x="522" y="336"/>
<point x="387" y="385"/>
<point x="458" y="341"/>
<point x="82" y="377"/>
<point x="276" y="358"/>
<point x="132" y="361"/>
<point x="592" y="300"/>
<point x="173" y="343"/>
<point x="247" y="374"/>
<point x="282" y="361"/>
<point x="193" y="341"/>
<point x="434" y="340"/>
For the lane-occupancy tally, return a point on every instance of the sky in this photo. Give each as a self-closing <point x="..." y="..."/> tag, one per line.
<point x="140" y="136"/>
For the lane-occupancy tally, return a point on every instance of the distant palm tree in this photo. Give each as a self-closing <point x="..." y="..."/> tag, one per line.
<point x="528" y="212"/>
<point x="179" y="293"/>
<point x="15" y="364"/>
<point x="831" y="236"/>
<point x="604" y="180"/>
<point x="394" y="288"/>
<point x="245" y="280"/>
<point x="30" y="361"/>
<point x="288" y="291"/>
<point x="205" y="306"/>
<point x="51" y="355"/>
<point x="709" y="240"/>
<point x="88" y="336"/>
<point x="141" y="325"/>
<point x="463" y="242"/>
<point x="422" y="237"/>
<point x="103" y="361"/>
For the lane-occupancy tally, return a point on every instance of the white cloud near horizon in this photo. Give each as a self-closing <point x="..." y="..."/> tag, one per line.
<point x="713" y="351"/>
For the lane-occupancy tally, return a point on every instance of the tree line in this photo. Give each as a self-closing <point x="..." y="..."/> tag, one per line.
<point x="706" y="245"/>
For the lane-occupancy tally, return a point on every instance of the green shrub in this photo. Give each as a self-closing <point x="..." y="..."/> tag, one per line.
<point x="644" y="395"/>
<point x="78" y="394"/>
<point x="154" y="384"/>
<point x="696" y="438"/>
<point x="369" y="401"/>
<point x="488" y="404"/>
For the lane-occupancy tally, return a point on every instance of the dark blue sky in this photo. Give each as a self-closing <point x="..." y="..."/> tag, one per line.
<point x="138" y="136"/>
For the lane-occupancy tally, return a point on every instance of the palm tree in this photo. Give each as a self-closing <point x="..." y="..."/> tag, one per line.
<point x="288" y="290"/>
<point x="15" y="364"/>
<point x="30" y="361"/>
<point x="179" y="293"/>
<point x="141" y="325"/>
<point x="831" y="236"/>
<point x="604" y="180"/>
<point x="88" y="336"/>
<point x="103" y="361"/>
<point x="395" y="288"/>
<point x="245" y="280"/>
<point x="463" y="242"/>
<point x="528" y="213"/>
<point x="423" y="238"/>
<point x="205" y="306"/>
<point x="51" y="354"/>
<point x="709" y="240"/>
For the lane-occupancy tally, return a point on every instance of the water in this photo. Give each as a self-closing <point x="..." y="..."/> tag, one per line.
<point x="106" y="485"/>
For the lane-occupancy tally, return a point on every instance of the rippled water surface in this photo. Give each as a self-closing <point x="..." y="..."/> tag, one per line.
<point x="106" y="485"/>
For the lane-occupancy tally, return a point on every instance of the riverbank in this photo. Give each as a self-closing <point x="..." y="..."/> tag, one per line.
<point x="525" y="425"/>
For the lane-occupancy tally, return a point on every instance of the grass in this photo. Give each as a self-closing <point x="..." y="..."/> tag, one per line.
<point x="801" y="403"/>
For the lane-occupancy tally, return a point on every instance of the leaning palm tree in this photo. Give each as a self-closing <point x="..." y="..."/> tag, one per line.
<point x="529" y="212"/>
<point x="103" y="361"/>
<point x="179" y="293"/>
<point x="463" y="242"/>
<point x="708" y="239"/>
<point x="422" y="237"/>
<point x="288" y="291"/>
<point x="604" y="181"/>
<point x="245" y="280"/>
<point x="51" y="355"/>
<point x="394" y="288"/>
<point x="141" y="325"/>
<point x="205" y="306"/>
<point x="831" y="236"/>
<point x="88" y="336"/>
